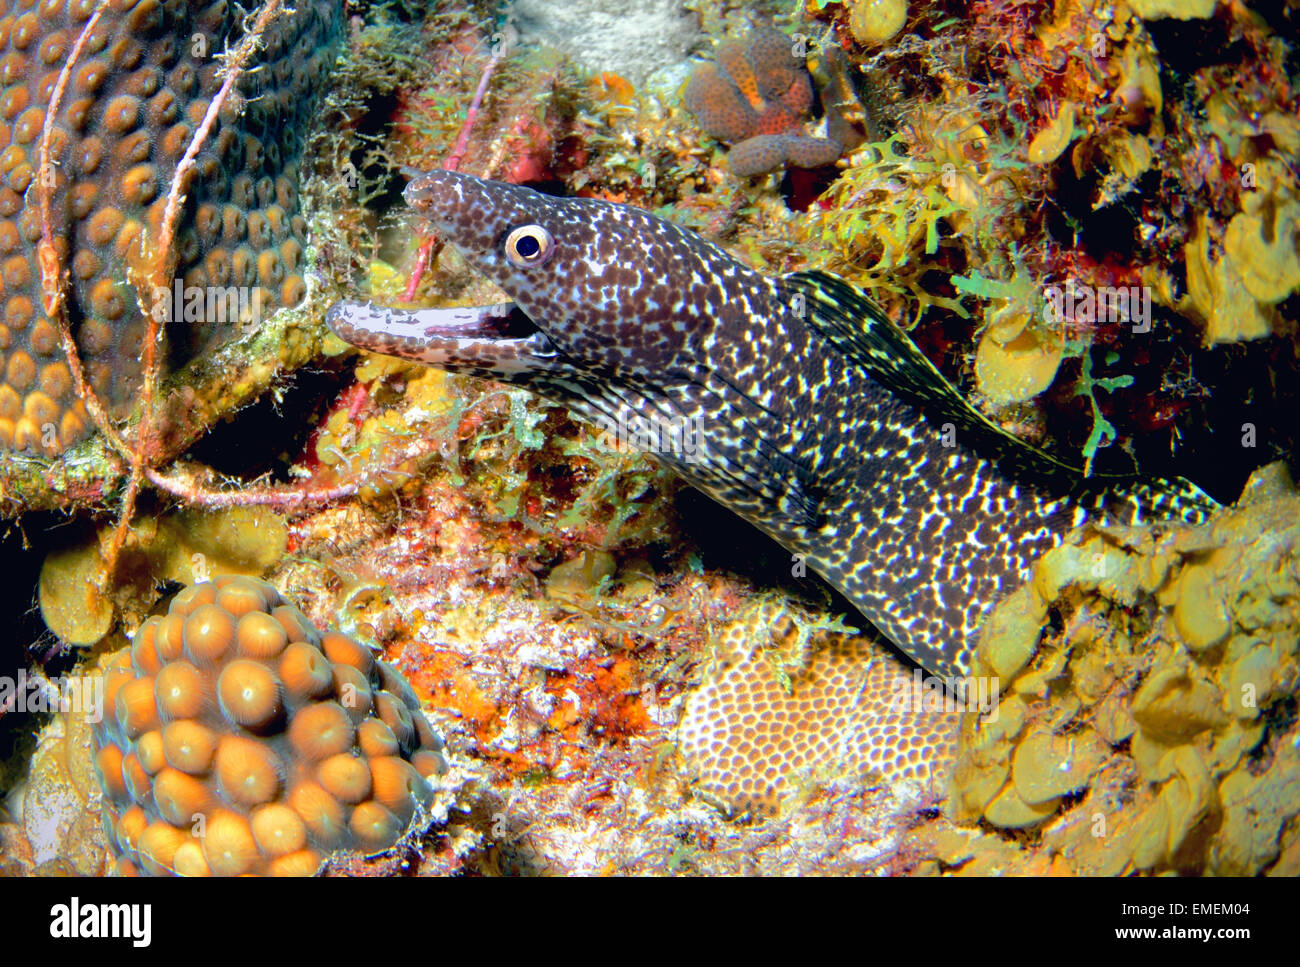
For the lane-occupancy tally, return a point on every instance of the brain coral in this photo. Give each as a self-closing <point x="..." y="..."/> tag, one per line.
<point x="747" y="738"/>
<point x="238" y="739"/>
<point x="134" y="99"/>
<point x="757" y="97"/>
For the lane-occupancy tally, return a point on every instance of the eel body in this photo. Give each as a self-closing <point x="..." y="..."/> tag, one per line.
<point x="810" y="414"/>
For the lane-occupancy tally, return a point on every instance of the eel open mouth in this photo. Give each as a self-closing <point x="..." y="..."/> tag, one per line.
<point x="500" y="337"/>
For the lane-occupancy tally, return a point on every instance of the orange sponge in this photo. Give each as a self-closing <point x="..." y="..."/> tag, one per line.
<point x="757" y="97"/>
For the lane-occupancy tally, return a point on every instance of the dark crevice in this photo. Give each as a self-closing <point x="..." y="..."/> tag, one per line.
<point x="383" y="183"/>
<point x="281" y="423"/>
<point x="1186" y="46"/>
<point x="27" y="643"/>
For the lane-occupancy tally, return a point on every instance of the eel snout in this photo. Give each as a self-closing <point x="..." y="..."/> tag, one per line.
<point x="494" y="336"/>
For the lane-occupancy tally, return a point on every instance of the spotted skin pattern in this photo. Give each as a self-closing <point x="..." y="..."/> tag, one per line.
<point x="819" y="421"/>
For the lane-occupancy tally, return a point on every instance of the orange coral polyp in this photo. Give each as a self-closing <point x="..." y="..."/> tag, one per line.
<point x="295" y="625"/>
<point x="306" y="673"/>
<point x="397" y="785"/>
<point x="247" y="771"/>
<point x="189" y="861"/>
<point x="108" y="764"/>
<point x="374" y="825"/>
<point x="179" y="690"/>
<point x="208" y="633"/>
<point x="260" y="636"/>
<point x="249" y="693"/>
<point x="278" y="830"/>
<point x="137" y="712"/>
<point x="305" y="862"/>
<point x="320" y="731"/>
<point x="323" y="815"/>
<point x="376" y="738"/>
<point x="192" y="597"/>
<point x="242" y="596"/>
<point x="396" y="717"/>
<point x="169" y="640"/>
<point x="354" y="691"/>
<point x="180" y="798"/>
<point x="228" y="844"/>
<point x="189" y="746"/>
<point x="345" y="777"/>
<point x="158" y="846"/>
<point x="342" y="650"/>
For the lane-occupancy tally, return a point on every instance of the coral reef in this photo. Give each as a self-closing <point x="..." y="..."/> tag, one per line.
<point x="788" y="704"/>
<point x="571" y="619"/>
<point x="1100" y="188"/>
<point x="1157" y="731"/>
<point x="238" y="739"/>
<point x="79" y="603"/>
<point x="757" y="97"/>
<point x="135" y="97"/>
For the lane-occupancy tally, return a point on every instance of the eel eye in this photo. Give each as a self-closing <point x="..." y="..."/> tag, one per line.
<point x="529" y="246"/>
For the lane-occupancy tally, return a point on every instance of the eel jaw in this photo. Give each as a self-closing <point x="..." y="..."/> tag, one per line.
<point x="498" y="339"/>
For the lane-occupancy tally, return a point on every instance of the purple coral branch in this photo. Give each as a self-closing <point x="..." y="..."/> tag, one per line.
<point x="462" y="140"/>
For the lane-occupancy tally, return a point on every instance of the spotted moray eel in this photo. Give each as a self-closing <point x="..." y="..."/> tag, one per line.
<point x="818" y="420"/>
